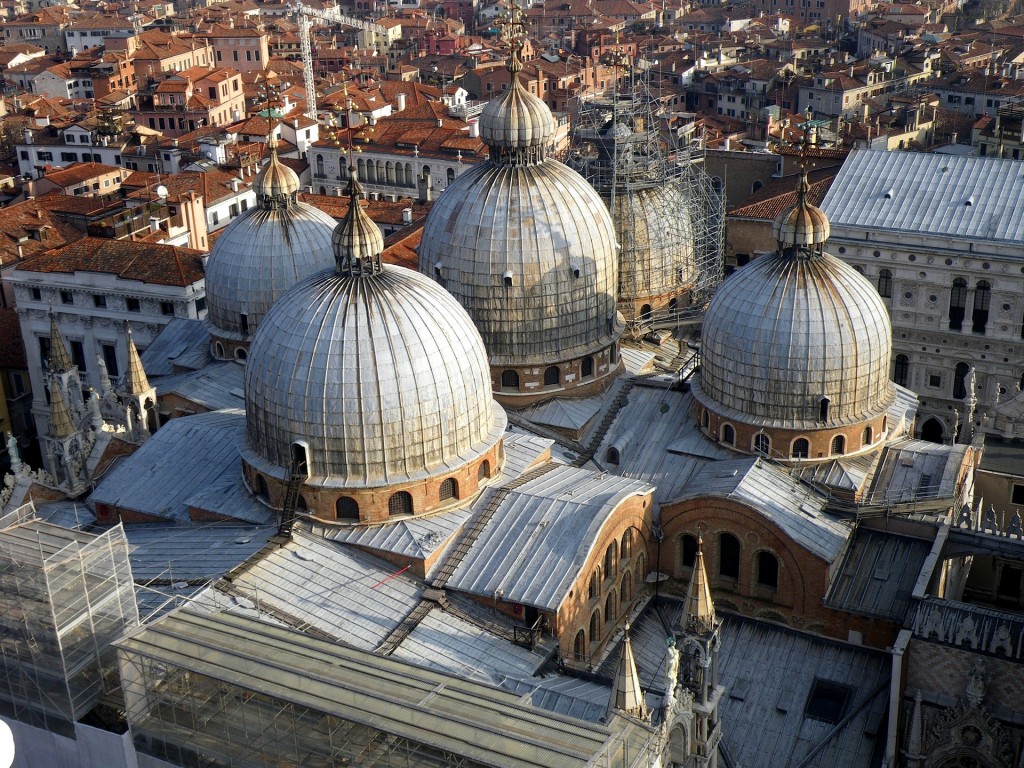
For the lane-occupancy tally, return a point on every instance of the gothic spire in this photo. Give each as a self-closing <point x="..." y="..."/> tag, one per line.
<point x="626" y="693"/>
<point x="61" y="425"/>
<point x="135" y="381"/>
<point x="699" y="608"/>
<point x="60" y="360"/>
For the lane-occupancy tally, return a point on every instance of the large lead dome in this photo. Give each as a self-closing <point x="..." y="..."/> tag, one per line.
<point x="371" y="377"/>
<point x="798" y="340"/>
<point x="263" y="253"/>
<point x="527" y="247"/>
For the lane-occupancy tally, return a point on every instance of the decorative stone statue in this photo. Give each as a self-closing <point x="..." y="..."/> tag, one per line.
<point x="12" y="451"/>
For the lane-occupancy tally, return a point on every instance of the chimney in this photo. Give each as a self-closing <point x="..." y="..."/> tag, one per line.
<point x="407" y="215"/>
<point x="440" y="122"/>
<point x="401" y="102"/>
<point x="28" y="136"/>
<point x="424" y="187"/>
<point x="234" y="184"/>
<point x="154" y="224"/>
<point x="174" y="143"/>
<point x="474" y="130"/>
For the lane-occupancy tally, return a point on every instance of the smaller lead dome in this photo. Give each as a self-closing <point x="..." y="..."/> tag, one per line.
<point x="517" y="119"/>
<point x="357" y="240"/>
<point x="802" y="225"/>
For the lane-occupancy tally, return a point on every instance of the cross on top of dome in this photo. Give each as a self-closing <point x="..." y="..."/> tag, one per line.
<point x="803" y="229"/>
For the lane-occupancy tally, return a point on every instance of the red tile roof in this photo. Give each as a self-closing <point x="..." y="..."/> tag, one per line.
<point x="146" y="262"/>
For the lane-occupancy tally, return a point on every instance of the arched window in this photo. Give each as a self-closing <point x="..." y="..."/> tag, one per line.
<point x="241" y="354"/>
<point x="901" y="370"/>
<point x="933" y="431"/>
<point x="451" y="176"/>
<point x="646" y="313"/>
<point x="595" y="626"/>
<point x="579" y="646"/>
<point x="960" y="380"/>
<point x="756" y="186"/>
<point x="509" y="380"/>
<point x="641" y="573"/>
<point x="410" y="180"/>
<point x="867" y="437"/>
<point x="613" y="354"/>
<point x="705" y="419"/>
<point x="801" y="448"/>
<point x="299" y="458"/>
<point x="687" y="550"/>
<point x="594" y="588"/>
<point x="957" y="304"/>
<point x="767" y="570"/>
<point x="320" y="166"/>
<point x="885" y="284"/>
<point x="762" y="443"/>
<point x="612" y="456"/>
<point x="611" y="561"/>
<point x="728" y="556"/>
<point x="346" y="508"/>
<point x="381" y="176"/>
<point x="485" y="470"/>
<point x="361" y="169"/>
<point x="261" y="487"/>
<point x="400" y="175"/>
<point x="728" y="434"/>
<point x="982" y="297"/>
<point x="218" y="350"/>
<point x="400" y="503"/>
<point x="552" y="376"/>
<point x="611" y="610"/>
<point x="587" y="367"/>
<point x="626" y="545"/>
<point x="389" y="172"/>
<point x="626" y="588"/>
<point x="823" y="406"/>
<point x="449" y="489"/>
<point x="838" y="445"/>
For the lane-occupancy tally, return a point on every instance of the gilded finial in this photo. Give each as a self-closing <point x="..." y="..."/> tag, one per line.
<point x="513" y="32"/>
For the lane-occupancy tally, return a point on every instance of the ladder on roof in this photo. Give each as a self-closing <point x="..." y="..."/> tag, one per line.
<point x="291" y="498"/>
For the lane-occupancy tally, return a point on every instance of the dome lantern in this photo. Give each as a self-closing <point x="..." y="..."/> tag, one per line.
<point x="357" y="240"/>
<point x="276" y="185"/>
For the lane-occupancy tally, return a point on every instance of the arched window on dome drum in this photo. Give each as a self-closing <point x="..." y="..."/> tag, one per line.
<point x="626" y="588"/>
<point x="509" y="380"/>
<point x="838" y="445"/>
<point x="613" y="354"/>
<point x="801" y="448"/>
<point x="587" y="367"/>
<point x="611" y="610"/>
<point x="218" y="350"/>
<point x="595" y="626"/>
<point x="823" y="405"/>
<point x="767" y="570"/>
<point x="982" y="297"/>
<point x="728" y="434"/>
<point x="674" y="304"/>
<point x="762" y="444"/>
<point x="449" y="489"/>
<point x="705" y="419"/>
<point x="646" y="313"/>
<point x="641" y="573"/>
<point x="728" y="556"/>
<point x="957" y="304"/>
<point x="960" y="380"/>
<point x="241" y="354"/>
<point x="579" y="646"/>
<point x="400" y="503"/>
<point x="485" y="470"/>
<point x="901" y="370"/>
<point x="552" y="376"/>
<point x="594" y="588"/>
<point x="867" y="437"/>
<point x="346" y="508"/>
<point x="885" y="284"/>
<point x="261" y="487"/>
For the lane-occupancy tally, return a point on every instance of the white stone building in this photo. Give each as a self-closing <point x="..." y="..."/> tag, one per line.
<point x="942" y="239"/>
<point x="143" y="284"/>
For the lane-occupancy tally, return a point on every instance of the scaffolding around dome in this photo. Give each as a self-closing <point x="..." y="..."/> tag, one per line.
<point x="669" y="215"/>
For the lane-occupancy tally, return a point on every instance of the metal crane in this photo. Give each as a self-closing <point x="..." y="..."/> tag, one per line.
<point x="304" y="16"/>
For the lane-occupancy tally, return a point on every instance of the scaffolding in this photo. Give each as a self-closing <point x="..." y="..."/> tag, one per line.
<point x="65" y="595"/>
<point x="669" y="215"/>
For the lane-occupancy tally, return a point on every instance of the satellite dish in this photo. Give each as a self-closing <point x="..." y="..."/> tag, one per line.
<point x="161" y="191"/>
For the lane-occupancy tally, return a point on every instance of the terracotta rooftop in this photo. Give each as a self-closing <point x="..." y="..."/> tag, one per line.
<point x="76" y="173"/>
<point x="28" y="229"/>
<point x="146" y="262"/>
<point x="780" y="195"/>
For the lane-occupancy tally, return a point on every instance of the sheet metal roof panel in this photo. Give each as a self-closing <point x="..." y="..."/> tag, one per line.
<point x="477" y="721"/>
<point x="417" y="537"/>
<point x="796" y="509"/>
<point x="182" y="343"/>
<point x="176" y="553"/>
<point x="217" y="386"/>
<point x="334" y="588"/>
<point x="928" y="194"/>
<point x="534" y="546"/>
<point x="183" y="455"/>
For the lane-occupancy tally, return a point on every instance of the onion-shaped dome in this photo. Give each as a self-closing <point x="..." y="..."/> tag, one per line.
<point x="375" y="371"/>
<point x="525" y="244"/>
<point x="803" y="224"/>
<point x="264" y="252"/>
<point x="357" y="239"/>
<point x="797" y="339"/>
